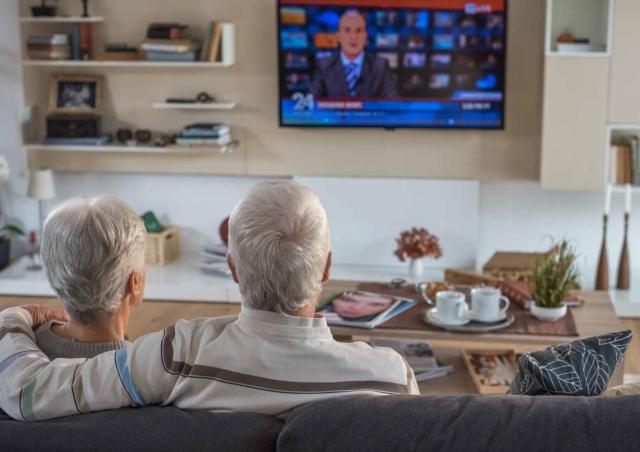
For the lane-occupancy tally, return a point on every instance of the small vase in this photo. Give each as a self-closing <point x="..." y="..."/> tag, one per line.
<point x="416" y="269"/>
<point x="548" y="314"/>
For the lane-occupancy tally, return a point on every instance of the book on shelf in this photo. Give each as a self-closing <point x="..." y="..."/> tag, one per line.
<point x="362" y="309"/>
<point x="419" y="355"/>
<point x="625" y="162"/>
<point x="219" y="42"/>
<point x="52" y="39"/>
<point x="166" y="30"/>
<point x="518" y="292"/>
<point x="75" y="42"/>
<point x="168" y="45"/>
<point x="49" y="47"/>
<point x="172" y="56"/>
<point x="86" y="41"/>
<point x="191" y="141"/>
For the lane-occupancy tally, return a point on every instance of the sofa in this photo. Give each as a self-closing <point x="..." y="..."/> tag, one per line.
<point x="391" y="423"/>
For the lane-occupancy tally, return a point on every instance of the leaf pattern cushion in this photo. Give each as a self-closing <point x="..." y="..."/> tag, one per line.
<point x="579" y="368"/>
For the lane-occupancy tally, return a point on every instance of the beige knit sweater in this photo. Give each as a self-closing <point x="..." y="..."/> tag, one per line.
<point x="259" y="362"/>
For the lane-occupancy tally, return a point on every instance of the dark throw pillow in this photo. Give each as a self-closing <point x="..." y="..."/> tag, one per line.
<point x="580" y="368"/>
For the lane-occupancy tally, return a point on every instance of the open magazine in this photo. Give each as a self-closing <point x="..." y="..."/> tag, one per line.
<point x="419" y="355"/>
<point x="362" y="309"/>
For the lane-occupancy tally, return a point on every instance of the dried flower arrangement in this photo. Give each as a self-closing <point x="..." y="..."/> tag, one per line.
<point x="416" y="243"/>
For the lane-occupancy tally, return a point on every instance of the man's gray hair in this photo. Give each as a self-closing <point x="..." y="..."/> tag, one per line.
<point x="279" y="244"/>
<point x="90" y="247"/>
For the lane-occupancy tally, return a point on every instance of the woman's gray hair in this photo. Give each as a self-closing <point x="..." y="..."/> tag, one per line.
<point x="279" y="244"/>
<point x="90" y="247"/>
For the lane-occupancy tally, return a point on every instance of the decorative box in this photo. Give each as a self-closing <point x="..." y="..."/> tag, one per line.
<point x="491" y="371"/>
<point x="75" y="126"/>
<point x="163" y="247"/>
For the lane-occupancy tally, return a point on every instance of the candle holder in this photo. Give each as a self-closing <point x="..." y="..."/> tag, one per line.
<point x="623" y="265"/>
<point x="602" y="274"/>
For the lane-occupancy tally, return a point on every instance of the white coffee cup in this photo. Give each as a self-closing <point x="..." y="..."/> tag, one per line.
<point x="485" y="304"/>
<point x="451" y="307"/>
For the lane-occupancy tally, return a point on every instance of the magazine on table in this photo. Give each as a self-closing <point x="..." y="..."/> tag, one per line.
<point x="419" y="355"/>
<point x="362" y="309"/>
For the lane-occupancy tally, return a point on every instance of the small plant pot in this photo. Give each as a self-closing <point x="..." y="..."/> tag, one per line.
<point x="548" y="314"/>
<point x="5" y="253"/>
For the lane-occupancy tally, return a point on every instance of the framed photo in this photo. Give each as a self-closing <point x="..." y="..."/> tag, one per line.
<point x="71" y="94"/>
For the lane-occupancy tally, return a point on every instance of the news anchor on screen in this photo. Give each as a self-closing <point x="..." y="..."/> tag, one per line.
<point x="353" y="72"/>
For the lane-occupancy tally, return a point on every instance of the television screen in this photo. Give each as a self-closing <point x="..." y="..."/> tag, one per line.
<point x="392" y="63"/>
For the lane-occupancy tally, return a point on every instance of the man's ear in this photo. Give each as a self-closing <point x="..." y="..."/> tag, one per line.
<point x="327" y="268"/>
<point x="232" y="267"/>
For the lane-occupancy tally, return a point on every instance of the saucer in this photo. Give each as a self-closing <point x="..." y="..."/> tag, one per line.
<point x="432" y="316"/>
<point x="499" y="319"/>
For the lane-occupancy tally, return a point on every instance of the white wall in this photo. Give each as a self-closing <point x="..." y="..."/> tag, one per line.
<point x="521" y="216"/>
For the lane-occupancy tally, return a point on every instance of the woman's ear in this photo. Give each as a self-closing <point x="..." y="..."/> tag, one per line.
<point x="327" y="268"/>
<point x="137" y="281"/>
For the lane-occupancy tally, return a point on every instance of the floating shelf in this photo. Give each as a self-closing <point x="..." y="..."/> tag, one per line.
<point x="136" y="64"/>
<point x="623" y="189"/>
<point x="61" y="20"/>
<point x="135" y="149"/>
<point x="195" y="106"/>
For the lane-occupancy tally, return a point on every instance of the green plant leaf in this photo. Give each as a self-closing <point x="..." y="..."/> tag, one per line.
<point x="11" y="229"/>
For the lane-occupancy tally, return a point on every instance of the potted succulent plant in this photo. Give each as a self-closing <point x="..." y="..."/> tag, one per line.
<point x="416" y="244"/>
<point x="552" y="278"/>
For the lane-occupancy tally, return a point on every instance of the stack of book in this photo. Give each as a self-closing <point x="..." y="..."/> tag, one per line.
<point x="214" y="260"/>
<point x="625" y="162"/>
<point x="49" y="47"/>
<point x="204" y="134"/>
<point x="167" y="42"/>
<point x="419" y="355"/>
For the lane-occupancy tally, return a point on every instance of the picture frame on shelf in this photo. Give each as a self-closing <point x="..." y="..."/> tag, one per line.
<point x="72" y="94"/>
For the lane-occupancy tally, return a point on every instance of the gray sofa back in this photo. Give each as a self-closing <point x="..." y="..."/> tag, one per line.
<point x="465" y="423"/>
<point x="143" y="429"/>
<point x="392" y="423"/>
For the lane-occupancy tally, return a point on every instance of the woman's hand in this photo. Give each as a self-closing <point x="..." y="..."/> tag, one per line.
<point x="42" y="314"/>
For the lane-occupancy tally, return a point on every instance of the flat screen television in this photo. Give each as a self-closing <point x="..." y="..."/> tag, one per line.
<point x="392" y="63"/>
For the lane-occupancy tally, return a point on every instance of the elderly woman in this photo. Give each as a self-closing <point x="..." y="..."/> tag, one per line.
<point x="93" y="251"/>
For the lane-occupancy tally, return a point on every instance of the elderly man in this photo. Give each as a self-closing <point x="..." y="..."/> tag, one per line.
<point x="353" y="72"/>
<point x="277" y="354"/>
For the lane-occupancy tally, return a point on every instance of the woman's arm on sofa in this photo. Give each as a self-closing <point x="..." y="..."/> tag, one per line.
<point x="34" y="388"/>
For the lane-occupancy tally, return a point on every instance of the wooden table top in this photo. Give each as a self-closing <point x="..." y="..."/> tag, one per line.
<point x="595" y="317"/>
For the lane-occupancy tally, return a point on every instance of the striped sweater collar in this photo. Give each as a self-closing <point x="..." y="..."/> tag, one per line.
<point x="283" y="325"/>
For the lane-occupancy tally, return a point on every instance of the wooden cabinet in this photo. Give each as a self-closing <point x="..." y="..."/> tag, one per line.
<point x="574" y="126"/>
<point x="625" y="64"/>
<point x="576" y="94"/>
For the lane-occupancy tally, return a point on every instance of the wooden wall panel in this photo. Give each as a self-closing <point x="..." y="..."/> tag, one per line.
<point x="269" y="150"/>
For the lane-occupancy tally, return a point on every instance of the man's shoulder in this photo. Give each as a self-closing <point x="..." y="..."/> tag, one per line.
<point x="206" y="326"/>
<point x="377" y="62"/>
<point x="380" y="356"/>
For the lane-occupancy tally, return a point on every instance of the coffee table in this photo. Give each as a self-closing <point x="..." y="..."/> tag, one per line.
<point x="595" y="317"/>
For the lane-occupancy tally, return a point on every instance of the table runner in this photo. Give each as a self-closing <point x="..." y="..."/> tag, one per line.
<point x="524" y="322"/>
